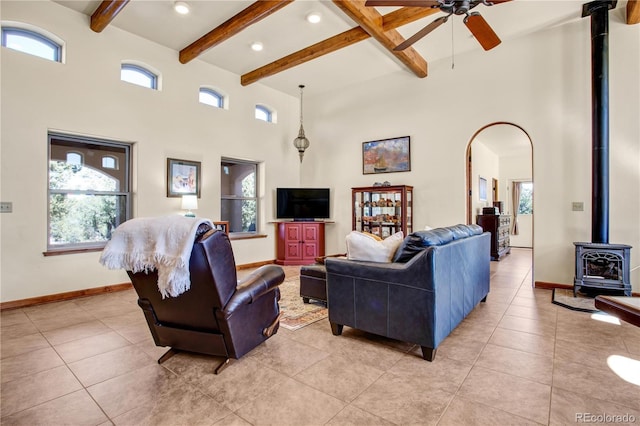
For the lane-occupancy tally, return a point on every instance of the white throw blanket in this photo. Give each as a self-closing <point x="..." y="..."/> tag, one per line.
<point x="161" y="243"/>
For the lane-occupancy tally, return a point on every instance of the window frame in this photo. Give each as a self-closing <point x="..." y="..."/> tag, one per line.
<point x="56" y="46"/>
<point x="54" y="249"/>
<point x="214" y="93"/>
<point x="127" y="66"/>
<point x="266" y="111"/>
<point x="256" y="197"/>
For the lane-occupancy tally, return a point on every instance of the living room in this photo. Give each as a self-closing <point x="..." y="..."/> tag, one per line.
<point x="540" y="82"/>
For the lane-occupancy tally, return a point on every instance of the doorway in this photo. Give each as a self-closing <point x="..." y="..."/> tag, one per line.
<point x="501" y="153"/>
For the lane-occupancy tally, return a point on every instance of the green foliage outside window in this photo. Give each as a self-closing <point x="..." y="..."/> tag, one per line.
<point x="526" y="198"/>
<point x="77" y="216"/>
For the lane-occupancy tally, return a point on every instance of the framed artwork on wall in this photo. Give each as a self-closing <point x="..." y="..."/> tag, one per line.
<point x="386" y="156"/>
<point x="183" y="177"/>
<point x="482" y="189"/>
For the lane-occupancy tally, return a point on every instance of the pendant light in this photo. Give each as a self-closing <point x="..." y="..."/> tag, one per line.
<point x="301" y="142"/>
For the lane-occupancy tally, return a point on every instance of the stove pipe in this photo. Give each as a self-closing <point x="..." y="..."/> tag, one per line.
<point x="599" y="12"/>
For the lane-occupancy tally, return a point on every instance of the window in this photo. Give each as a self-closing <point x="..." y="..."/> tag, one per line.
<point x="109" y="162"/>
<point x="138" y="75"/>
<point x="87" y="200"/>
<point x="32" y="43"/>
<point x="526" y="198"/>
<point x="263" y="113"/>
<point x="211" y="97"/>
<point x="239" y="201"/>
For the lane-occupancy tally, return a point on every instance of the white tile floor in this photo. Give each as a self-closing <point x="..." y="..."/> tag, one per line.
<point x="517" y="359"/>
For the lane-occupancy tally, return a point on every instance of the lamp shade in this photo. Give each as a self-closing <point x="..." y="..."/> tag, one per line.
<point x="189" y="202"/>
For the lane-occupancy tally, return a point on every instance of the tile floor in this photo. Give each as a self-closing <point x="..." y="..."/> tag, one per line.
<point x="518" y="359"/>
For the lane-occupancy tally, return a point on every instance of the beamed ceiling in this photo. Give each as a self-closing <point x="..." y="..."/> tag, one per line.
<point x="352" y="43"/>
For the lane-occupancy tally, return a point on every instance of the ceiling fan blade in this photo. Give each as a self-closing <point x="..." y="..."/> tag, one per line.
<point x="423" y="32"/>
<point x="482" y="31"/>
<point x="408" y="3"/>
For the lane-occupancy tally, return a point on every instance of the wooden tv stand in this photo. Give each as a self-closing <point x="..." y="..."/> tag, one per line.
<point x="299" y="242"/>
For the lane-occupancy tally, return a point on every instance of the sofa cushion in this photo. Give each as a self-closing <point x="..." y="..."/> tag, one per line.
<point x="464" y="231"/>
<point x="363" y="246"/>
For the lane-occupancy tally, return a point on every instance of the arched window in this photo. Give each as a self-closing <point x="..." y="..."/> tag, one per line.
<point x="211" y="97"/>
<point x="74" y="159"/>
<point x="109" y="162"/>
<point x="32" y="43"/>
<point x="263" y="113"/>
<point x="136" y="74"/>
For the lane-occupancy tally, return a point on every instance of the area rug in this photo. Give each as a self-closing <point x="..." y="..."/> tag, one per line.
<point x="295" y="313"/>
<point x="582" y="302"/>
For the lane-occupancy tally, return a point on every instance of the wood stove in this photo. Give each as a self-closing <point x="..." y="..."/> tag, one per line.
<point x="602" y="268"/>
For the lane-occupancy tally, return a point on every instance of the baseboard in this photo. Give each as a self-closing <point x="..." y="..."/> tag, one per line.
<point x="550" y="286"/>
<point x="33" y="301"/>
<point x="23" y="303"/>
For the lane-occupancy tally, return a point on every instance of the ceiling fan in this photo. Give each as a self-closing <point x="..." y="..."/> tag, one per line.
<point x="480" y="29"/>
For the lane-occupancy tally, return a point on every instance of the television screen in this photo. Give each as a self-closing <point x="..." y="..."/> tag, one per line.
<point x="302" y="203"/>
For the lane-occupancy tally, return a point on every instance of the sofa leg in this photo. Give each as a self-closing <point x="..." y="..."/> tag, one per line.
<point x="428" y="353"/>
<point x="273" y="328"/>
<point x="305" y="300"/>
<point x="336" y="329"/>
<point x="168" y="354"/>
<point x="484" y="299"/>
<point x="222" y="366"/>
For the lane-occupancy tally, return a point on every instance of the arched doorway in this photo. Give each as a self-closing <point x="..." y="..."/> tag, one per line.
<point x="500" y="169"/>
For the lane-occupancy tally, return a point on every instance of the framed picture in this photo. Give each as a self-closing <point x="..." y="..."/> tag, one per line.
<point x="222" y="226"/>
<point x="386" y="156"/>
<point x="482" y="189"/>
<point x="183" y="177"/>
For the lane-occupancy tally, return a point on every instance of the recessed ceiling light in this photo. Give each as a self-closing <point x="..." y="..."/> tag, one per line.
<point x="314" y="17"/>
<point x="257" y="46"/>
<point x="181" y="7"/>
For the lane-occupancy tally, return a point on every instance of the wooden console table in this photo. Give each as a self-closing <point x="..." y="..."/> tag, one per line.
<point x="624" y="307"/>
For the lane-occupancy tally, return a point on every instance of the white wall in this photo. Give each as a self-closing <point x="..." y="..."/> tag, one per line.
<point x="485" y="164"/>
<point x="540" y="83"/>
<point x="85" y="96"/>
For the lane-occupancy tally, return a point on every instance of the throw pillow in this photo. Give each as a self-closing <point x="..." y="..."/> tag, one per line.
<point x="363" y="246"/>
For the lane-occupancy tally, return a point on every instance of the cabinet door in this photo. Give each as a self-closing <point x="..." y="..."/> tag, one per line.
<point x="292" y="250"/>
<point x="309" y="233"/>
<point x="293" y="233"/>
<point x="309" y="250"/>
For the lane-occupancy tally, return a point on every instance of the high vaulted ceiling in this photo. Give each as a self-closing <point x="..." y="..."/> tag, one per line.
<point x="350" y="44"/>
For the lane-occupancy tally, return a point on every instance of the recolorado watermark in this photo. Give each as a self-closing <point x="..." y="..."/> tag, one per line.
<point x="605" y="418"/>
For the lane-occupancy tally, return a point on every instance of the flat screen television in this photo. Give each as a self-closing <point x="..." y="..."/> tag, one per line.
<point x="304" y="204"/>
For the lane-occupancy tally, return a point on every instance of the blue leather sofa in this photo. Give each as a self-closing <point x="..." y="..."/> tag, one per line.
<point x="436" y="279"/>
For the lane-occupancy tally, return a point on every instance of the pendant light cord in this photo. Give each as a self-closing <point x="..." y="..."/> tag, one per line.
<point x="452" y="47"/>
<point x="301" y="87"/>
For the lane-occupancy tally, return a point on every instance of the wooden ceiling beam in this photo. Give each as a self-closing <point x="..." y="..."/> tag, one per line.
<point x="105" y="12"/>
<point x="633" y="12"/>
<point x="307" y="54"/>
<point x="372" y="22"/>
<point x="247" y="17"/>
<point x="391" y="20"/>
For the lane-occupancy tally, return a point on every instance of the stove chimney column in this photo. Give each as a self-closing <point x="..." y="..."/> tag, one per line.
<point x="599" y="12"/>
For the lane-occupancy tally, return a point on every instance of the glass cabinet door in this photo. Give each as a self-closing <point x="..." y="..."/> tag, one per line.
<point x="382" y="211"/>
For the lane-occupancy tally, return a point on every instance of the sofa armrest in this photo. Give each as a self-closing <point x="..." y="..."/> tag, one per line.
<point x="260" y="282"/>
